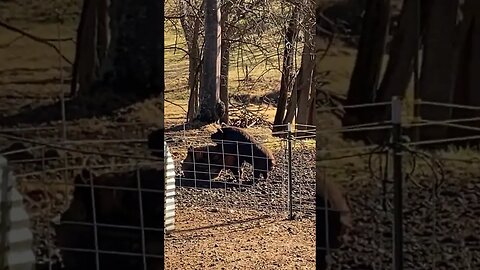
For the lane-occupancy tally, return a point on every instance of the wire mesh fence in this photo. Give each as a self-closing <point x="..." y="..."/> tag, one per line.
<point x="440" y="212"/>
<point x="111" y="228"/>
<point x="428" y="221"/>
<point x="93" y="204"/>
<point x="247" y="174"/>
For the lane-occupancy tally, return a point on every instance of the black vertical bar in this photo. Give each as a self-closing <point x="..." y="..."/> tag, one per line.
<point x="398" y="183"/>
<point x="290" y="176"/>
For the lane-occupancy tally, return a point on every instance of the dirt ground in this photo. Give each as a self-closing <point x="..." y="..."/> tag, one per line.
<point x="234" y="239"/>
<point x="232" y="229"/>
<point x="30" y="78"/>
<point x="217" y="239"/>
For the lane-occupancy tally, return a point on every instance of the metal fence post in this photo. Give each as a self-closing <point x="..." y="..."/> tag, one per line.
<point x="398" y="183"/>
<point x="290" y="176"/>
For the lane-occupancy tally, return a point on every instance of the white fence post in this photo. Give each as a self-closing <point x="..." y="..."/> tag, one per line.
<point x="169" y="194"/>
<point x="15" y="235"/>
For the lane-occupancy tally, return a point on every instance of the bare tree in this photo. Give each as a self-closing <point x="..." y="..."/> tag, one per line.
<point x="403" y="48"/>
<point x="124" y="58"/>
<point x="134" y="58"/>
<point x="87" y="64"/>
<point x="288" y="68"/>
<point x="191" y="21"/>
<point x="305" y="88"/>
<point x="302" y="94"/>
<point x="225" y="55"/>
<point x="240" y="20"/>
<point x="210" y="89"/>
<point x="84" y="68"/>
<point x="467" y="81"/>
<point x="244" y="24"/>
<point x="437" y="73"/>
<point x="103" y="32"/>
<point x="371" y="50"/>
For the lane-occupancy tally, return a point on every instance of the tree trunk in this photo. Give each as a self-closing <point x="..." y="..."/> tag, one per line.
<point x="308" y="63"/>
<point x="474" y="80"/>
<point x="92" y="43"/>
<point x="437" y="81"/>
<point x="210" y="89"/>
<point x="224" y="80"/>
<point x="191" y="30"/>
<point x="368" y="64"/>
<point x="305" y="78"/>
<point x="467" y="81"/>
<point x="225" y="64"/>
<point x="135" y="55"/>
<point x="292" y="105"/>
<point x="287" y="69"/>
<point x="80" y="30"/>
<point x="194" y="70"/>
<point x="303" y="82"/>
<point x="87" y="63"/>
<point x="103" y="34"/>
<point x="400" y="64"/>
<point x="311" y="108"/>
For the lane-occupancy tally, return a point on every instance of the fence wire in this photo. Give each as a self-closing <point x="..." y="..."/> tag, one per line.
<point x="440" y="211"/>
<point x="58" y="178"/>
<point x="103" y="197"/>
<point x="440" y="199"/>
<point x="234" y="174"/>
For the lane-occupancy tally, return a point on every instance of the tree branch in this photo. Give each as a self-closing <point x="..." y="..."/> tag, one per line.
<point x="35" y="38"/>
<point x="175" y="104"/>
<point x="6" y="45"/>
<point x="174" y="17"/>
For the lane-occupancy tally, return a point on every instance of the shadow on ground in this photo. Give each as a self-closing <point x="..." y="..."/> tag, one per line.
<point x="226" y="224"/>
<point x="98" y="105"/>
<point x="211" y="184"/>
<point x="186" y="126"/>
<point x="54" y="80"/>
